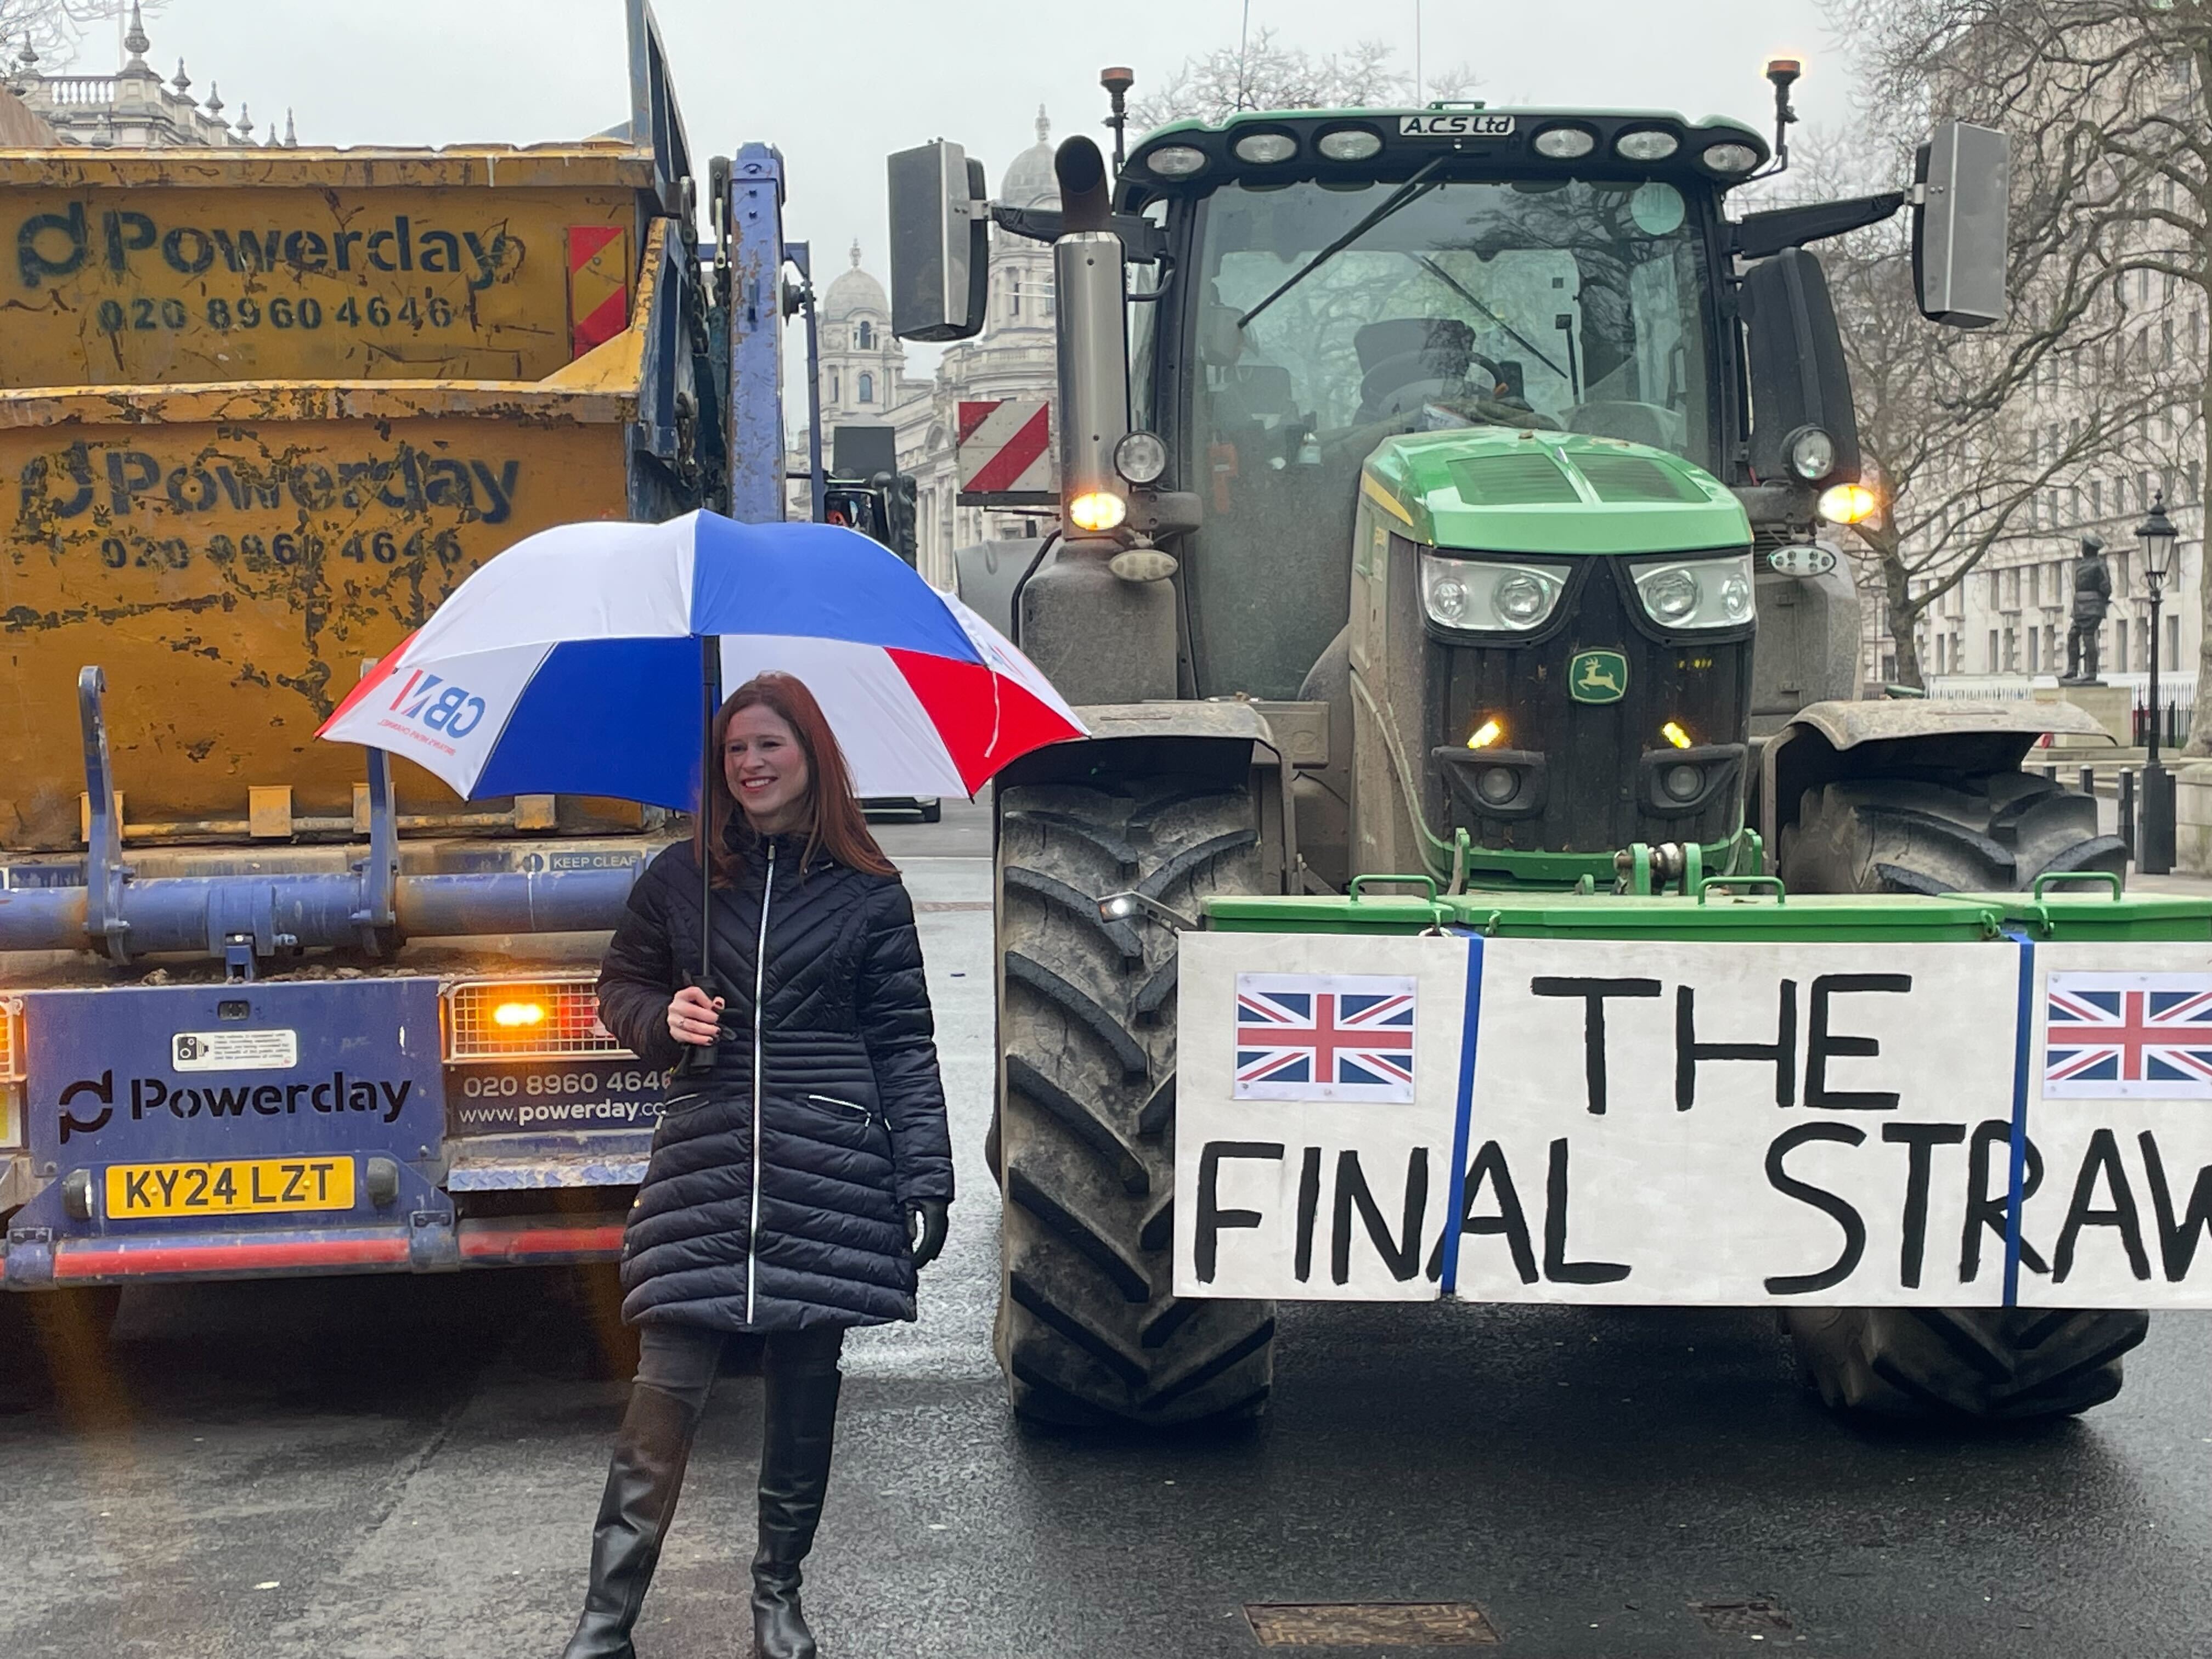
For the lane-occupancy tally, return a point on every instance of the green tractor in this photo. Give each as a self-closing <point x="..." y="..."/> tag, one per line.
<point x="1438" y="498"/>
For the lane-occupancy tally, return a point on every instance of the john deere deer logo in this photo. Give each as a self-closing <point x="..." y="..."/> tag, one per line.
<point x="1597" y="676"/>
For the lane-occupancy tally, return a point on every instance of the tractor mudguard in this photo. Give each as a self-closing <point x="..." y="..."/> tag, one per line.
<point x="1825" y="742"/>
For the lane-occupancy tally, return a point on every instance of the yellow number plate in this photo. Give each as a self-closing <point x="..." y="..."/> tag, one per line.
<point x="236" y="1186"/>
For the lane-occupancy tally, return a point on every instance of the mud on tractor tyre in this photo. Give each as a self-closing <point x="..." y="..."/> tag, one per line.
<point x="1988" y="832"/>
<point x="1090" y="1333"/>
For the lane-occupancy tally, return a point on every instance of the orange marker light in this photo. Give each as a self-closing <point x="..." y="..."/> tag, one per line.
<point x="1675" y="734"/>
<point x="1486" y="734"/>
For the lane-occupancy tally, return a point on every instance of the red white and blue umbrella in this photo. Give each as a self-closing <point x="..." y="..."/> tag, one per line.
<point x="570" y="664"/>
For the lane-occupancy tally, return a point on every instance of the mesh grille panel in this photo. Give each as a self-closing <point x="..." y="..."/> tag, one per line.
<point x="524" y="1019"/>
<point x="1634" y="478"/>
<point x="1521" y="480"/>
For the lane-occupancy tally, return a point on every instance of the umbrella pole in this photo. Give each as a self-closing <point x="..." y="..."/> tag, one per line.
<point x="710" y="684"/>
<point x="698" y="1061"/>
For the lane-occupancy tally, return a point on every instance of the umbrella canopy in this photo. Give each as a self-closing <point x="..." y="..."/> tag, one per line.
<point x="570" y="664"/>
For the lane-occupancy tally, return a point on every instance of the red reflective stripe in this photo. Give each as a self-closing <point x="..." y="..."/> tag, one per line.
<point x="602" y="324"/>
<point x="973" y="414"/>
<point x="111" y="1261"/>
<point x="1015" y="456"/>
<point x="495" y="1240"/>
<point x="585" y="241"/>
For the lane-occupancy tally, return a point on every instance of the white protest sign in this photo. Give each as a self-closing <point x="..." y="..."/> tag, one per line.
<point x="1315" y="1102"/>
<point x="1694" y="1123"/>
<point x="1679" y="1122"/>
<point x="2118" y="1166"/>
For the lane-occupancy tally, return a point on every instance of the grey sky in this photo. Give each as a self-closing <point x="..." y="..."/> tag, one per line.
<point x="838" y="83"/>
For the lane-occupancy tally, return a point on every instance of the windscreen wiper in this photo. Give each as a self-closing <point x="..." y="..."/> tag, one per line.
<point x="1411" y="191"/>
<point x="1468" y="294"/>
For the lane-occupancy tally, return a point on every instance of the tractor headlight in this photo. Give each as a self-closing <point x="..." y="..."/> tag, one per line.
<point x="1177" y="160"/>
<point x="1695" y="593"/>
<point x="1812" y="454"/>
<point x="1490" y="597"/>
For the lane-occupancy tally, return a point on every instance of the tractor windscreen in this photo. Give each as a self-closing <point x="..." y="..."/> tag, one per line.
<point x="1577" y="305"/>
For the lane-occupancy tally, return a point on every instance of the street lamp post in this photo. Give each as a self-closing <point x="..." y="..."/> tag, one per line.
<point x="2154" y="845"/>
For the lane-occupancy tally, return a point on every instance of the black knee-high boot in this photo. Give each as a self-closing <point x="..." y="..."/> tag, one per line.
<point x="801" y="1413"/>
<point x="643" y="1482"/>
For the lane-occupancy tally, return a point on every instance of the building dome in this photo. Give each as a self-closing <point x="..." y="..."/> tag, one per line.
<point x="1031" y="181"/>
<point x="853" y="292"/>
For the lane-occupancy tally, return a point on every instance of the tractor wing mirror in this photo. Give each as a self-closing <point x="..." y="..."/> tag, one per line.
<point x="1960" y="225"/>
<point x="940" y="244"/>
<point x="1803" y="429"/>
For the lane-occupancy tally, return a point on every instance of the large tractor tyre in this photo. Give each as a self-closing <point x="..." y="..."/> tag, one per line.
<point x="1992" y="832"/>
<point x="1978" y="833"/>
<point x="1090" y="1333"/>
<point x="1988" y="1365"/>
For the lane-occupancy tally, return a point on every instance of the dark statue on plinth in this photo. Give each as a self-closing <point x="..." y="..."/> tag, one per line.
<point x="2093" y="597"/>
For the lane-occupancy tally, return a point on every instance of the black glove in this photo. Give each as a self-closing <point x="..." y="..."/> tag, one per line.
<point x="925" y="1218"/>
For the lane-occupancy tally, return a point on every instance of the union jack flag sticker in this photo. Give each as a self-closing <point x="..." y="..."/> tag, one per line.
<point x="1321" y="1036"/>
<point x="2120" y="1036"/>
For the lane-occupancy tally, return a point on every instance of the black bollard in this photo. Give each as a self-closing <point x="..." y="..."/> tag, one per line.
<point x="2050" y="774"/>
<point x="2128" y="811"/>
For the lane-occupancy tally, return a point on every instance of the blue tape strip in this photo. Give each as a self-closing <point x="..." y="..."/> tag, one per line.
<point x="1457" y="1186"/>
<point x="2024" y="1032"/>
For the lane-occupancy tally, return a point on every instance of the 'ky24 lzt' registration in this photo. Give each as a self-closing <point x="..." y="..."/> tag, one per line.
<point x="236" y="1186"/>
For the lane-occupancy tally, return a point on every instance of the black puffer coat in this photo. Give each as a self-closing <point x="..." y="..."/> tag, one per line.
<point x="781" y="1205"/>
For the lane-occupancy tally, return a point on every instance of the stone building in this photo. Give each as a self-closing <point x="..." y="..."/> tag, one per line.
<point x="865" y="379"/>
<point x="133" y="108"/>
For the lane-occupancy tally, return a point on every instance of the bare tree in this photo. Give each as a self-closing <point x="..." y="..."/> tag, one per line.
<point x="55" y="28"/>
<point x="1982" y="442"/>
<point x="1264" y="74"/>
<point x="2108" y="101"/>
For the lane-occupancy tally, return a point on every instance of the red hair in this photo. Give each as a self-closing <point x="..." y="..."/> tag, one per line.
<point x="836" y="826"/>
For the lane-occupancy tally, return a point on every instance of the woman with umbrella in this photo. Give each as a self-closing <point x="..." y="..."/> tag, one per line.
<point x="801" y="1170"/>
<point x="800" y="1174"/>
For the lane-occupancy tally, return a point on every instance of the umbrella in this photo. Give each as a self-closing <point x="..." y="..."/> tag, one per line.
<point x="583" y="660"/>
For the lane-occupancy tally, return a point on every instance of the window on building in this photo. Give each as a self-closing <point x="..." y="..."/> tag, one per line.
<point x="2034" y="666"/>
<point x="2051" y="645"/>
<point x="2143" y="640"/>
<point x="2119" y="493"/>
<point x="867" y="387"/>
<point x="2120" y="646"/>
<point x="1995" y="598"/>
<point x="2035" y="583"/>
<point x="2196" y="474"/>
<point x="2173" y="642"/>
<point x="2074" y="496"/>
<point x="2012" y="588"/>
<point x="2011" y="652"/>
<point x="1014" y="296"/>
<point x="1995" y="662"/>
<point x="2196" y="335"/>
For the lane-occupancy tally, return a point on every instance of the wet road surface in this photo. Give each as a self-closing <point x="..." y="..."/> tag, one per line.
<point x="407" y="1469"/>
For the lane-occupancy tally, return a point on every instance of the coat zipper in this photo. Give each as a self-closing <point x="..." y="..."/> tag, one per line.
<point x="760" y="984"/>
